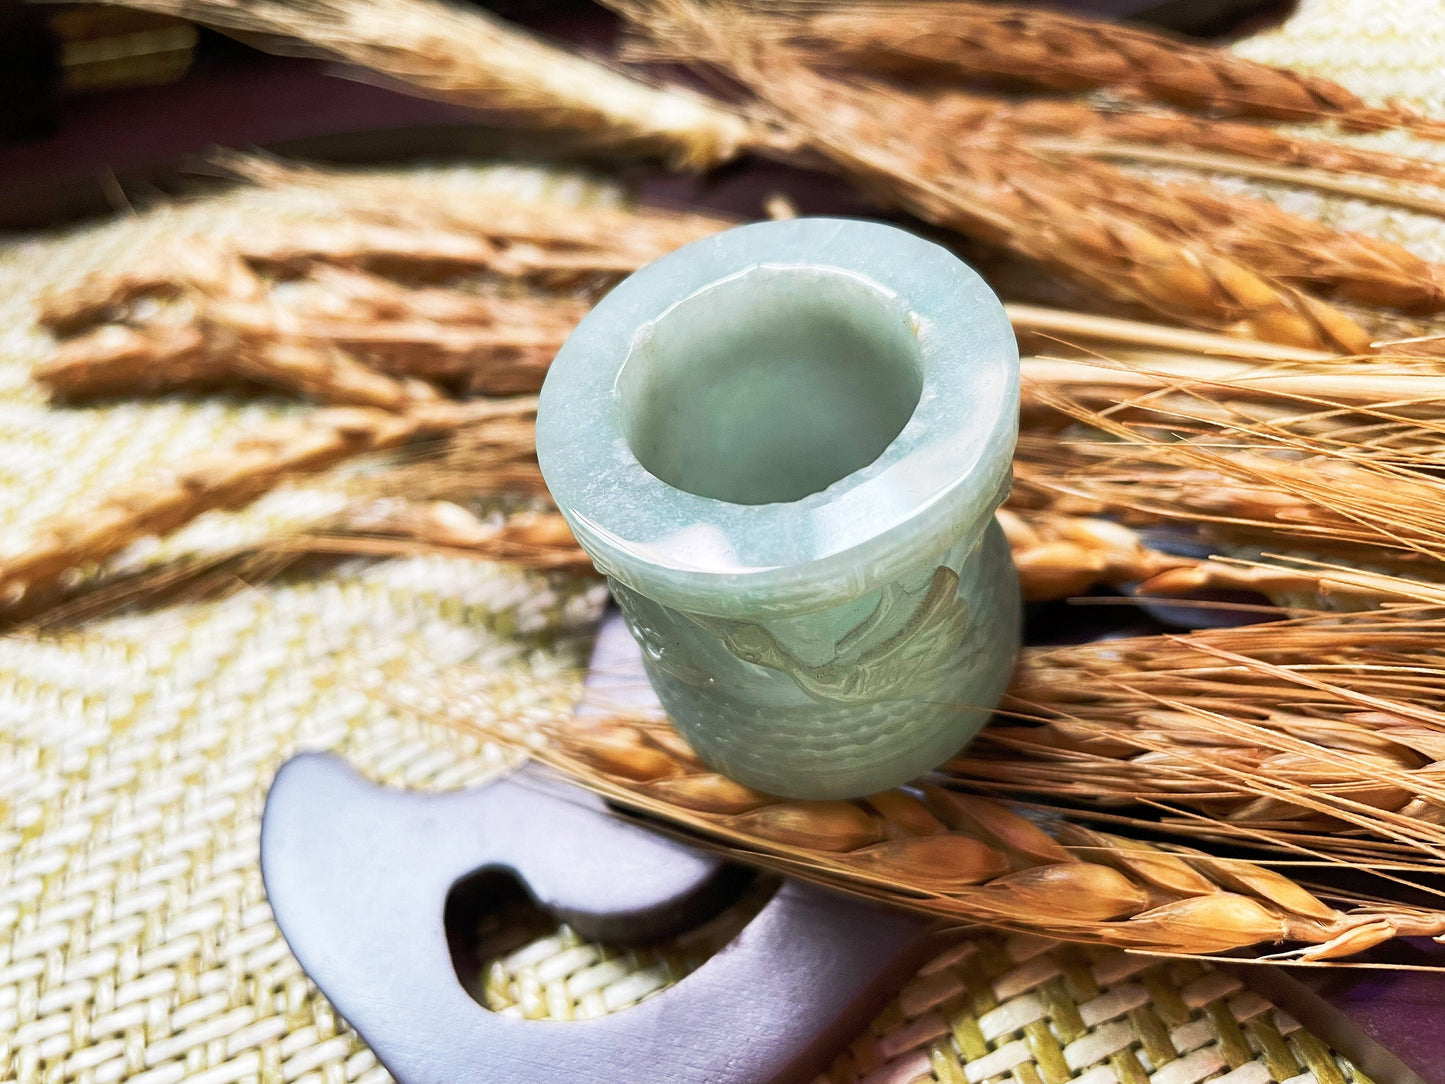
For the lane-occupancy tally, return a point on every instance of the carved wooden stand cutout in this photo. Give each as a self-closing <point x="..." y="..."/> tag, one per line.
<point x="358" y="876"/>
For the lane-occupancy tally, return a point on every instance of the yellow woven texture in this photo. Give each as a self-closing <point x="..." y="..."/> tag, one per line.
<point x="1020" y="1010"/>
<point x="135" y="941"/>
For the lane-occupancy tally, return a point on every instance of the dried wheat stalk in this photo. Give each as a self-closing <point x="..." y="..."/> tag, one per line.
<point x="1038" y="210"/>
<point x="1363" y="269"/>
<point x="195" y="342"/>
<point x="158" y="357"/>
<point x="197" y="312"/>
<point x="1271" y="242"/>
<point x="356" y="294"/>
<point x="929" y="150"/>
<point x="1087" y="333"/>
<point x="1018" y="201"/>
<point x="401" y="250"/>
<point x="395" y="526"/>
<point x="524" y="234"/>
<point x="1258" y="234"/>
<point x="462" y="55"/>
<point x="1322" y="736"/>
<point x="1366" y="269"/>
<point x="120" y="360"/>
<point x="229" y="479"/>
<point x="1104" y="129"/>
<point x="357" y="362"/>
<point x="1059" y="555"/>
<point x="1108" y="132"/>
<point x="1325" y="505"/>
<point x="497" y="459"/>
<point x="1365" y="483"/>
<point x="504" y="350"/>
<point x="374" y="233"/>
<point x="1378" y="189"/>
<point x="1065" y="52"/>
<point x="1284" y="578"/>
<point x="1132" y="243"/>
<point x="1343" y="455"/>
<point x="1216" y="290"/>
<point x="173" y="267"/>
<point x="382" y="234"/>
<point x="970" y="859"/>
<point x="1074" y="129"/>
<point x="1387" y="387"/>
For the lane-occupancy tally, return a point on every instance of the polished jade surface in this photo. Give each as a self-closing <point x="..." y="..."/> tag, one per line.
<point x="783" y="445"/>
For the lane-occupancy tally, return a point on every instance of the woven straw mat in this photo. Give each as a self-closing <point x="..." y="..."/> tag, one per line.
<point x="135" y="751"/>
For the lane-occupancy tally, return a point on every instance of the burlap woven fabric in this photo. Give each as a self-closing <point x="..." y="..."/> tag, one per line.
<point x="135" y="751"/>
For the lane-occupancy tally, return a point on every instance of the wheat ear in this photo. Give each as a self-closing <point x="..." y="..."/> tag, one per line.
<point x="1320" y="735"/>
<point x="392" y="527"/>
<point x="1326" y="491"/>
<point x="462" y="55"/>
<point x="896" y="145"/>
<point x="1122" y="131"/>
<point x="969" y="859"/>
<point x="229" y="479"/>
<point x="1066" y="52"/>
<point x="1016" y="200"/>
<point x="1270" y="242"/>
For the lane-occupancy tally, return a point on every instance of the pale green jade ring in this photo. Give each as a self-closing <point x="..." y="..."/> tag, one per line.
<point x="784" y="445"/>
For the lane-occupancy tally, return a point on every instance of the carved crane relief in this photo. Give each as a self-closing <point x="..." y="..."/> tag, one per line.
<point x="927" y="640"/>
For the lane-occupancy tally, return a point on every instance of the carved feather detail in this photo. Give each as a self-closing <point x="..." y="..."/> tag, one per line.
<point x="889" y="669"/>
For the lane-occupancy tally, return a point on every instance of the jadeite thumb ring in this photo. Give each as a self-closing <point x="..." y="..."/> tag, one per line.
<point x="784" y="445"/>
